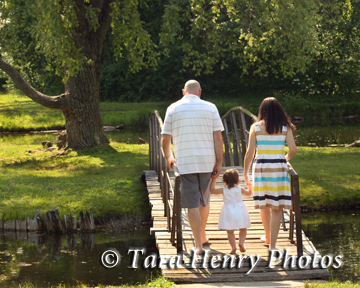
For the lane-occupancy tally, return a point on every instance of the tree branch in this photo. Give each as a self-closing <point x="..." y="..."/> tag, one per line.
<point x="57" y="102"/>
<point x="104" y="20"/>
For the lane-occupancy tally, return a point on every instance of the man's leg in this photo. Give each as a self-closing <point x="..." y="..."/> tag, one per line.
<point x="204" y="214"/>
<point x="195" y="224"/>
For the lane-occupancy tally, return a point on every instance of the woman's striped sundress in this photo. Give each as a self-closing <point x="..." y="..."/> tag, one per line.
<point x="271" y="181"/>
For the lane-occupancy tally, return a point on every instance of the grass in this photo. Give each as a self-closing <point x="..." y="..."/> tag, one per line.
<point x="331" y="284"/>
<point x="328" y="176"/>
<point x="161" y="282"/>
<point x="104" y="181"/>
<point x="19" y="113"/>
<point x="158" y="282"/>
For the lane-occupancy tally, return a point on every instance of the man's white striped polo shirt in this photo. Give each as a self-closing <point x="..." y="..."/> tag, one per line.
<point x="191" y="123"/>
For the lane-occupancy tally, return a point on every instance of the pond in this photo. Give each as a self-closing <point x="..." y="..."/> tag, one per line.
<point x="52" y="260"/>
<point x="336" y="233"/>
<point x="49" y="260"/>
<point x="319" y="136"/>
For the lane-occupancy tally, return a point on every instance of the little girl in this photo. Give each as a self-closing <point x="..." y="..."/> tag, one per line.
<point x="234" y="213"/>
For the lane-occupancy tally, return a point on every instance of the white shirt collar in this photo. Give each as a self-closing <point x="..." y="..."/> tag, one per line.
<point x="190" y="96"/>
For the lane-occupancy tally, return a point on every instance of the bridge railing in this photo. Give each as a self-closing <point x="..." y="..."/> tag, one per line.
<point x="234" y="156"/>
<point x="170" y="194"/>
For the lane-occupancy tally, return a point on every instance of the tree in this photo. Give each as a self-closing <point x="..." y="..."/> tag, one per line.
<point x="262" y="37"/>
<point x="71" y="34"/>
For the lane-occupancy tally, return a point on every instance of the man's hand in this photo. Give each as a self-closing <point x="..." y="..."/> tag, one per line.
<point x="170" y="162"/>
<point x="166" y="146"/>
<point x="218" y="143"/>
<point x="216" y="171"/>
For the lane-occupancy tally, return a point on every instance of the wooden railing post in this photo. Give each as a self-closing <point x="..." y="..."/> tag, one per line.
<point x="150" y="142"/>
<point x="243" y="135"/>
<point x="179" y="238"/>
<point x="296" y="193"/>
<point x="236" y="144"/>
<point x="228" y="154"/>
<point x="295" y="212"/>
<point x="158" y="163"/>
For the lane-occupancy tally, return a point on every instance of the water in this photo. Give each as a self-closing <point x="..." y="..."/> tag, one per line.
<point x="326" y="135"/>
<point x="49" y="260"/>
<point x="336" y="233"/>
<point x="304" y="136"/>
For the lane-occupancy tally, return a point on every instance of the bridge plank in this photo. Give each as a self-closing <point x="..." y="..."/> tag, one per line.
<point x="219" y="245"/>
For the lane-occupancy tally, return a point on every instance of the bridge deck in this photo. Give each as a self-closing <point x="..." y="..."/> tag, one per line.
<point x="218" y="245"/>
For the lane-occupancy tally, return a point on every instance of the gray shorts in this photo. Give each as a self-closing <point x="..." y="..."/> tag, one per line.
<point x="195" y="190"/>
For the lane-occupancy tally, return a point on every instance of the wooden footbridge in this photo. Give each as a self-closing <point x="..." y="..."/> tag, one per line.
<point x="173" y="235"/>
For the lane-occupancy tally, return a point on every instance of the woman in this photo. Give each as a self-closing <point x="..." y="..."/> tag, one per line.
<point x="271" y="181"/>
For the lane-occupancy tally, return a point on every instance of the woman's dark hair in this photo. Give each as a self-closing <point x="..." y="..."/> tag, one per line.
<point x="231" y="177"/>
<point x="274" y="116"/>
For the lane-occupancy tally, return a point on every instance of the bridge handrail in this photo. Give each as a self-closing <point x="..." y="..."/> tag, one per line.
<point x="173" y="212"/>
<point x="254" y="117"/>
<point x="159" y="164"/>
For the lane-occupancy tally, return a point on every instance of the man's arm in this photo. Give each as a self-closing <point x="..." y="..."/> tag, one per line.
<point x="166" y="146"/>
<point x="218" y="143"/>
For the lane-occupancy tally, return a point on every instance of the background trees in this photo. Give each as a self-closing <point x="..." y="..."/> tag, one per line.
<point x="306" y="47"/>
<point x="146" y="49"/>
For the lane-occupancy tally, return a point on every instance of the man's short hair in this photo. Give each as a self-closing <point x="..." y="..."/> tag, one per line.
<point x="192" y="86"/>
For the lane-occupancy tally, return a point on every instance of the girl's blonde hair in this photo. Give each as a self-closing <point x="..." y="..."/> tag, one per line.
<point x="231" y="178"/>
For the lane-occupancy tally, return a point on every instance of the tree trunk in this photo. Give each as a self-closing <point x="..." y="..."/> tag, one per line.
<point x="83" y="120"/>
<point x="80" y="103"/>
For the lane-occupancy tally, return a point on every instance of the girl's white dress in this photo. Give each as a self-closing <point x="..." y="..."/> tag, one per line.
<point x="234" y="213"/>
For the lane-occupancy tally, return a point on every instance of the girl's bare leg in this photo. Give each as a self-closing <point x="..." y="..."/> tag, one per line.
<point x="232" y="240"/>
<point x="242" y="237"/>
<point x="274" y="226"/>
<point x="265" y="218"/>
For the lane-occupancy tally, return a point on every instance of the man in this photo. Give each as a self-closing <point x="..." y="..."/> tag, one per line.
<point x="195" y="127"/>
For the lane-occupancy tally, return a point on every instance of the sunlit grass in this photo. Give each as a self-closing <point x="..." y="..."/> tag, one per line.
<point x="157" y="282"/>
<point x="328" y="175"/>
<point x="18" y="112"/>
<point x="104" y="181"/>
<point x="331" y="284"/>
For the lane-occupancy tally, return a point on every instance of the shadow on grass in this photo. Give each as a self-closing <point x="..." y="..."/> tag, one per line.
<point x="102" y="180"/>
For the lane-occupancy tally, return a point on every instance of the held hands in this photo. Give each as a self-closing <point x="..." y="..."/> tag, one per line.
<point x="216" y="171"/>
<point x="246" y="179"/>
<point x="250" y="189"/>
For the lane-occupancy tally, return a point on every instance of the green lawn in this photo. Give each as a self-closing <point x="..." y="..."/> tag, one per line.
<point x="329" y="176"/>
<point x="18" y="112"/>
<point x="104" y="181"/>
